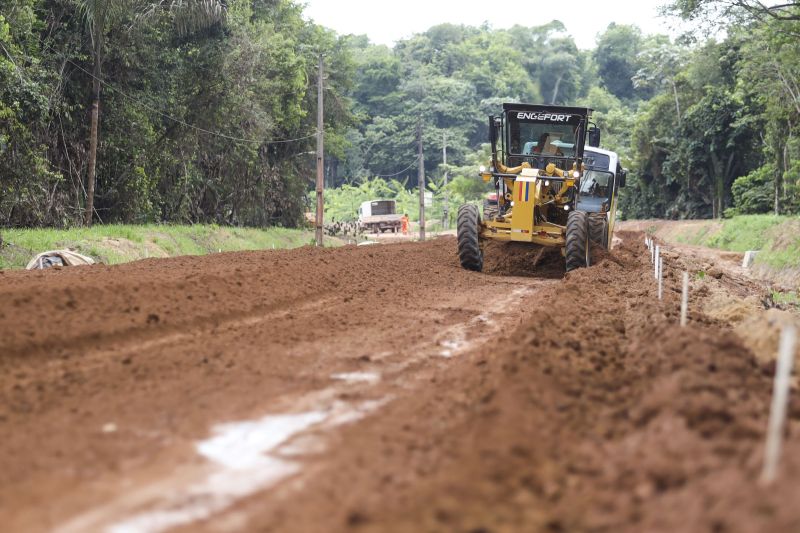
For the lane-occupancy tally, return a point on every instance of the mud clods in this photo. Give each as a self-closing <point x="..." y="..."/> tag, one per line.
<point x="520" y="259"/>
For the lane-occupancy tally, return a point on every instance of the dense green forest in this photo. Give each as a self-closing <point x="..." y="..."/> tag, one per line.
<point x="206" y="109"/>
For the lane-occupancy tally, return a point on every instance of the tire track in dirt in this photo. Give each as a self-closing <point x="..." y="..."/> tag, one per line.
<point x="199" y="492"/>
<point x="597" y="413"/>
<point x="107" y="415"/>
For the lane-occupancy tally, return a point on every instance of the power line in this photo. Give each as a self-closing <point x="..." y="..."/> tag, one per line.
<point x="409" y="167"/>
<point x="182" y="122"/>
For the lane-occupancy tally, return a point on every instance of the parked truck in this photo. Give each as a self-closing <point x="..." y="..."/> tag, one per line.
<point x="378" y="216"/>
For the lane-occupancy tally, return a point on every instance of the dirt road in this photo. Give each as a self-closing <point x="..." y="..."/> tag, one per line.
<point x="379" y="388"/>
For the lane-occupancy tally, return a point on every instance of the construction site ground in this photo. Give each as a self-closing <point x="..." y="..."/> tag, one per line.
<point x="384" y="388"/>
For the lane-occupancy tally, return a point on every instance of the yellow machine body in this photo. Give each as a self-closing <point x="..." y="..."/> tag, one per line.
<point x="527" y="193"/>
<point x="552" y="181"/>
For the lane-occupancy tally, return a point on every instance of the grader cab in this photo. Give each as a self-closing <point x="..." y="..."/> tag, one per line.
<point x="551" y="190"/>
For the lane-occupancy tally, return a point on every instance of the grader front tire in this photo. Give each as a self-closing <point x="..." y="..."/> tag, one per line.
<point x="598" y="229"/>
<point x="469" y="249"/>
<point x="577" y="247"/>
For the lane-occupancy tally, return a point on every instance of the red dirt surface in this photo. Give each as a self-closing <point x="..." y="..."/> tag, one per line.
<point x="570" y="404"/>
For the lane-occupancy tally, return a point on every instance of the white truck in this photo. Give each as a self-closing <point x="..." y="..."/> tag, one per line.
<point x="377" y="216"/>
<point x="600" y="186"/>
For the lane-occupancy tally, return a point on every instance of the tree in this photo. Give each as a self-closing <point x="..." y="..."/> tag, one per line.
<point x="735" y="10"/>
<point x="769" y="65"/>
<point x="752" y="193"/>
<point x="560" y="65"/>
<point x="100" y="16"/>
<point x="617" y="59"/>
<point x="660" y="64"/>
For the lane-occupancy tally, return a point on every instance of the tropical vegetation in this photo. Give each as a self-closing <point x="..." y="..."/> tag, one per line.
<point x="204" y="111"/>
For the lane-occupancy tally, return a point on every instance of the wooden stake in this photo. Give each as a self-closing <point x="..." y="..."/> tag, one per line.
<point x="685" y="299"/>
<point x="660" y="278"/>
<point x="780" y="397"/>
<point x="656" y="256"/>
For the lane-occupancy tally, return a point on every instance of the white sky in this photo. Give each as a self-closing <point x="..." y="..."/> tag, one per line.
<point x="388" y="21"/>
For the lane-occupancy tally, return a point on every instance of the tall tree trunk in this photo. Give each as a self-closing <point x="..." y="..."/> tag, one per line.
<point x="787" y="160"/>
<point x="555" y="88"/>
<point x="677" y="102"/>
<point x="717" y="184"/>
<point x="728" y="178"/>
<point x="92" y="164"/>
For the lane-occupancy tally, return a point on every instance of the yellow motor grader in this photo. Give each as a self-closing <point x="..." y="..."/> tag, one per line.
<point x="552" y="190"/>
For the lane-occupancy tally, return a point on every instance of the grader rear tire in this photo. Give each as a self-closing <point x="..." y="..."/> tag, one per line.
<point x="577" y="247"/>
<point x="598" y="229"/>
<point x="469" y="249"/>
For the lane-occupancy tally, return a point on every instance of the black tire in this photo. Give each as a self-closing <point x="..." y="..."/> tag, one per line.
<point x="577" y="248"/>
<point x="469" y="249"/>
<point x="598" y="229"/>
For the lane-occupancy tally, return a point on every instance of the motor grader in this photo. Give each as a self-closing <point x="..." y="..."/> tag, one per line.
<point x="551" y="189"/>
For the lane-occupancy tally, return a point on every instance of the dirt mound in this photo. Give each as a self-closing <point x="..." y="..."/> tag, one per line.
<point x="726" y="308"/>
<point x="761" y="333"/>
<point x="520" y="259"/>
<point x="598" y="413"/>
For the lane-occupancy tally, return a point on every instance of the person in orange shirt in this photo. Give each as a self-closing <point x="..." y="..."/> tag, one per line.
<point x="404" y="223"/>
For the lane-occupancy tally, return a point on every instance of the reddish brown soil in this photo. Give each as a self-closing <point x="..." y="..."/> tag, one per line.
<point x="579" y="406"/>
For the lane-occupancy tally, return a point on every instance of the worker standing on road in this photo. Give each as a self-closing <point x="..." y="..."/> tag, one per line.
<point x="404" y="223"/>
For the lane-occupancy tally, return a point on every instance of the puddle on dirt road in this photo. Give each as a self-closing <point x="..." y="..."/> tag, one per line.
<point x="242" y="458"/>
<point x="357" y="377"/>
<point x="451" y="346"/>
<point x="242" y="453"/>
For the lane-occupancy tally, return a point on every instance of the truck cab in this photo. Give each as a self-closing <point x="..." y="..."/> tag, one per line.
<point x="601" y="181"/>
<point x="599" y="187"/>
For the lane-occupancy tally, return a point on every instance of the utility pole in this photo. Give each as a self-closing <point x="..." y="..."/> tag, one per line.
<point x="446" y="210"/>
<point x="320" y="156"/>
<point x="421" y="181"/>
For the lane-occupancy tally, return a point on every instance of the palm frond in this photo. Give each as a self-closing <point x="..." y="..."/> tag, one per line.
<point x="188" y="15"/>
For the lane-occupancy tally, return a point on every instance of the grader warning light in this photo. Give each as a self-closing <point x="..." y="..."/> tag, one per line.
<point x="552" y="190"/>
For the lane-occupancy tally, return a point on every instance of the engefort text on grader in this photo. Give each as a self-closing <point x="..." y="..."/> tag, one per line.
<point x="552" y="189"/>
